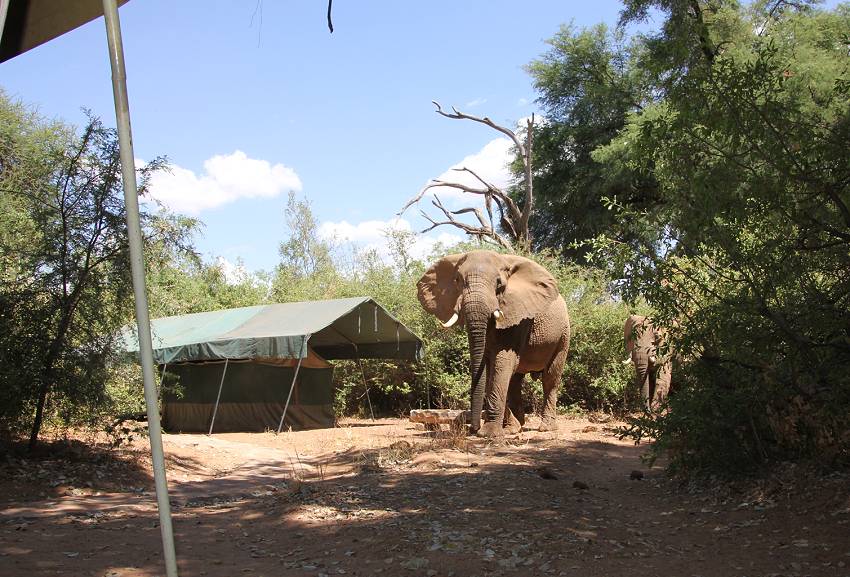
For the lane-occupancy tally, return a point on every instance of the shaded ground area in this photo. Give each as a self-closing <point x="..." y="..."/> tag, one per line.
<point x="389" y="498"/>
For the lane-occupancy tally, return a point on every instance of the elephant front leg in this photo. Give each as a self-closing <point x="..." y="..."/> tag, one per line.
<point x="659" y="386"/>
<point x="497" y="393"/>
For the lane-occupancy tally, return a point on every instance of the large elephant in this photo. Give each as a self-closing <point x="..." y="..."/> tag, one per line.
<point x="516" y="322"/>
<point x="652" y="371"/>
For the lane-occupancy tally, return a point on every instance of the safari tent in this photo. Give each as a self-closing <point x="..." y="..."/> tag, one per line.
<point x="265" y="367"/>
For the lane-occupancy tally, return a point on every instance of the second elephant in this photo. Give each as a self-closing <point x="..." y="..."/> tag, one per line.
<point x="652" y="371"/>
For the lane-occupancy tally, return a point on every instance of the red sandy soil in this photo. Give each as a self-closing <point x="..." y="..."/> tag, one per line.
<point x="388" y="498"/>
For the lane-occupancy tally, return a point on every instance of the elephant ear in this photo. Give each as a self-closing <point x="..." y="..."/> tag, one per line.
<point x="528" y="290"/>
<point x="437" y="290"/>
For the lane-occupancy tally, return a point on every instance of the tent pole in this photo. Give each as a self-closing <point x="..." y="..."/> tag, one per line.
<point x="218" y="397"/>
<point x="363" y="375"/>
<point x="365" y="384"/>
<point x="134" y="233"/>
<point x="301" y="355"/>
<point x="360" y="364"/>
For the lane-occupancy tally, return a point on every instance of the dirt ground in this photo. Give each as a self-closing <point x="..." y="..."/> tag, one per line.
<point x="389" y="498"/>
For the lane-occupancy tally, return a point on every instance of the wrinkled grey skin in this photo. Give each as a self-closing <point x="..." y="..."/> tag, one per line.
<point x="516" y="322"/>
<point x="652" y="372"/>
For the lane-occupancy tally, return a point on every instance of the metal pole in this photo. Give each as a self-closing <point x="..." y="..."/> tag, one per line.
<point x="4" y="9"/>
<point x="220" y="385"/>
<point x="365" y="384"/>
<point x="134" y="233"/>
<point x="301" y="355"/>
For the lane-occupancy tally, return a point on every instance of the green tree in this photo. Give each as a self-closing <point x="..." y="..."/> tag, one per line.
<point x="307" y="270"/>
<point x="588" y="83"/>
<point x="748" y="145"/>
<point x="65" y="269"/>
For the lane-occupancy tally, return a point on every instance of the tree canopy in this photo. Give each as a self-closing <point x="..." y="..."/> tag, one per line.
<point x="730" y="214"/>
<point x="63" y="262"/>
<point x="589" y="83"/>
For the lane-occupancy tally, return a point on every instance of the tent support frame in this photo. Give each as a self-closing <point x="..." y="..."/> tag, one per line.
<point x="365" y="384"/>
<point x="301" y="356"/>
<point x="137" y="265"/>
<point x="218" y="397"/>
<point x="360" y="364"/>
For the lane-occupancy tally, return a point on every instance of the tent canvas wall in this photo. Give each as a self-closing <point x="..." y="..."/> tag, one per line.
<point x="253" y="398"/>
<point x="235" y="367"/>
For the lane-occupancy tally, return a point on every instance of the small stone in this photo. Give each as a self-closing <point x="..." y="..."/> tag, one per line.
<point x="636" y="475"/>
<point x="580" y="485"/>
<point x="546" y="473"/>
<point x="415" y="563"/>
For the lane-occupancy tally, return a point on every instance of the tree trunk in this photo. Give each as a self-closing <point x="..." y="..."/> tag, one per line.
<point x="39" y="411"/>
<point x="47" y="372"/>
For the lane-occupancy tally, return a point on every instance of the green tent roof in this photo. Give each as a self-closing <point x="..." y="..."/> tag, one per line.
<point x="335" y="329"/>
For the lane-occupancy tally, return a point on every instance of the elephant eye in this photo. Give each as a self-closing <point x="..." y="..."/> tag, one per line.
<point x="500" y="284"/>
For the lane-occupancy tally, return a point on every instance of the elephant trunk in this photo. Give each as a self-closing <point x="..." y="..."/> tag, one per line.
<point x="477" y="333"/>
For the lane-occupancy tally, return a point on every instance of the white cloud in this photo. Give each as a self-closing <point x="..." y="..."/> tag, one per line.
<point x="476" y="102"/>
<point x="366" y="232"/>
<point x="539" y="120"/>
<point x="226" y="178"/>
<point x="522" y="102"/>
<point x="424" y="244"/>
<point x="490" y="163"/>
<point x="371" y="235"/>
<point x="233" y="273"/>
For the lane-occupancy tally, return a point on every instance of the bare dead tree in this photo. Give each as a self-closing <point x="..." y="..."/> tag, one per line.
<point x="512" y="220"/>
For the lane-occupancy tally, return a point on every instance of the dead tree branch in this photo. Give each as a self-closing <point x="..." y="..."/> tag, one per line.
<point x="485" y="232"/>
<point x="512" y="220"/>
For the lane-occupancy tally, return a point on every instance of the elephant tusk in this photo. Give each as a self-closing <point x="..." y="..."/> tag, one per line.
<point x="449" y="322"/>
<point x="497" y="314"/>
<point x="653" y="359"/>
<point x="627" y="361"/>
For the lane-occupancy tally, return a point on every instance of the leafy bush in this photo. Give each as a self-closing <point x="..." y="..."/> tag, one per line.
<point x="749" y="150"/>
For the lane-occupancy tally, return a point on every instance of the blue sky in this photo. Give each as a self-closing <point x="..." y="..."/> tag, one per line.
<point x="250" y="99"/>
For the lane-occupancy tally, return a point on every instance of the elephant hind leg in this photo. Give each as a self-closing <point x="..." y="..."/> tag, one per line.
<point x="551" y="384"/>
